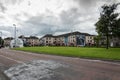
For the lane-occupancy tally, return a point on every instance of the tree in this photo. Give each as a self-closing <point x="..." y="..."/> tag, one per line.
<point x="116" y="29"/>
<point x="108" y="22"/>
<point x="1" y="42"/>
<point x="97" y="39"/>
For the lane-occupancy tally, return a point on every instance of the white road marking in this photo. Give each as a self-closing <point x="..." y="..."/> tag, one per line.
<point x="12" y="59"/>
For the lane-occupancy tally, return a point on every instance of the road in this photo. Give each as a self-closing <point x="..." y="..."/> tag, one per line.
<point x="80" y="69"/>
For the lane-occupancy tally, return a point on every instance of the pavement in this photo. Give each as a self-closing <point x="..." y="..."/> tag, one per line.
<point x="68" y="68"/>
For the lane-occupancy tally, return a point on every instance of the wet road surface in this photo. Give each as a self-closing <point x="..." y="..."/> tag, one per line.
<point x="79" y="69"/>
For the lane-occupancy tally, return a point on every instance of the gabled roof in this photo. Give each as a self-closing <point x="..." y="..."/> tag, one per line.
<point x="48" y="35"/>
<point x="67" y="34"/>
<point x="9" y="38"/>
<point x="22" y="36"/>
<point x="33" y="37"/>
<point x="72" y="33"/>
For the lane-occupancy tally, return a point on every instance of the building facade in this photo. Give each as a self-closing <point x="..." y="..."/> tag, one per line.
<point x="7" y="41"/>
<point x="30" y="41"/>
<point x="90" y="40"/>
<point x="69" y="39"/>
<point x="115" y="42"/>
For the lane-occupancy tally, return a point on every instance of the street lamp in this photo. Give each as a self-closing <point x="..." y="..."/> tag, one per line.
<point x="15" y="35"/>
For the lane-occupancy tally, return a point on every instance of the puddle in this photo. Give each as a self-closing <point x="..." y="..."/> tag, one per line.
<point x="35" y="70"/>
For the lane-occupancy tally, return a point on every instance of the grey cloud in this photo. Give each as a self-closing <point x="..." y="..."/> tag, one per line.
<point x="86" y="3"/>
<point x="37" y="26"/>
<point x="92" y="3"/>
<point x="40" y="25"/>
<point x="70" y="18"/>
<point x="12" y="2"/>
<point x="2" y="8"/>
<point x="79" y="18"/>
<point x="75" y="17"/>
<point x="6" y="30"/>
<point x="5" y="3"/>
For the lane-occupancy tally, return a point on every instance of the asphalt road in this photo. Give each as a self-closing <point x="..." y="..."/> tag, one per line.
<point x="79" y="69"/>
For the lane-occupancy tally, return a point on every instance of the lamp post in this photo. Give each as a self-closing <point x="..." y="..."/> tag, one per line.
<point x="15" y="35"/>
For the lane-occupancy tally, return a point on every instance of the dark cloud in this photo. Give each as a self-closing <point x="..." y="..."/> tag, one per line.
<point x="42" y="24"/>
<point x="92" y="3"/>
<point x="50" y="24"/>
<point x="2" y="8"/>
<point x="81" y="18"/>
<point x="86" y="3"/>
<point x="35" y="25"/>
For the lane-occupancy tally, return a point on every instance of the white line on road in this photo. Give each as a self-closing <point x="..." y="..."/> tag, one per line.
<point x="12" y="59"/>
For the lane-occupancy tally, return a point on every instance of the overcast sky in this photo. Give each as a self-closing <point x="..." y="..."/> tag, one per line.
<point x="40" y="17"/>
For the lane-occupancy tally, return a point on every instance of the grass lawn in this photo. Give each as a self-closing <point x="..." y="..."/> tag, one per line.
<point x="94" y="53"/>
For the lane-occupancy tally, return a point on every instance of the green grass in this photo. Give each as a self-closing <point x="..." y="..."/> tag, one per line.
<point x="93" y="53"/>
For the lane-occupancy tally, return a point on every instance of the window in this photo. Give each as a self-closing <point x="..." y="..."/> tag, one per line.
<point x="90" y="37"/>
<point x="88" y="40"/>
<point x="73" y="41"/>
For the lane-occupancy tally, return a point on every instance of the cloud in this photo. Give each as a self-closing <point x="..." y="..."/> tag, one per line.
<point x="86" y="3"/>
<point x="6" y="31"/>
<point x="44" y="24"/>
<point x="11" y="2"/>
<point x="92" y="3"/>
<point x="2" y="8"/>
<point x="70" y="17"/>
<point x="50" y="16"/>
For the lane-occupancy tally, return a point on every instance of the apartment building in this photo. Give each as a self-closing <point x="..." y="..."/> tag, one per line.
<point x="47" y="40"/>
<point x="69" y="39"/>
<point x="89" y="40"/>
<point x="30" y="41"/>
<point x="7" y="41"/>
<point x="115" y="42"/>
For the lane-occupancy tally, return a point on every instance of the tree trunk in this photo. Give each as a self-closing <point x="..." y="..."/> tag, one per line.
<point x="107" y="41"/>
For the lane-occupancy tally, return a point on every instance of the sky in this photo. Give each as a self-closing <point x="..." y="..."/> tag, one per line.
<point x="40" y="17"/>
